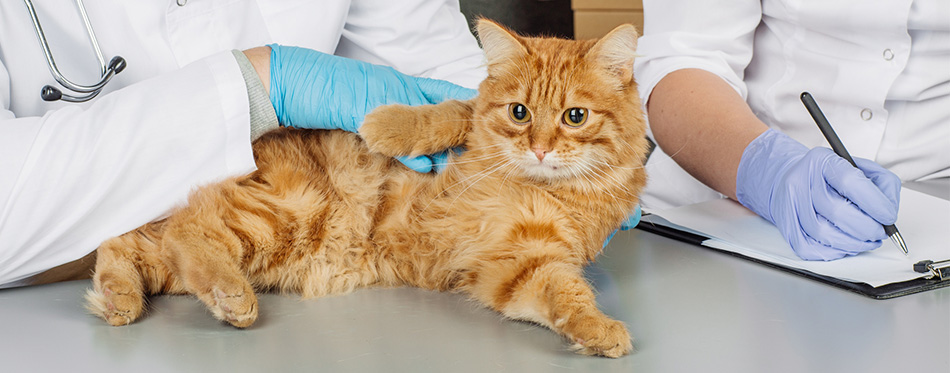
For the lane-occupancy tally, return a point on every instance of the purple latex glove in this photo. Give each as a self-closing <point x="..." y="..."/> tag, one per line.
<point x="825" y="208"/>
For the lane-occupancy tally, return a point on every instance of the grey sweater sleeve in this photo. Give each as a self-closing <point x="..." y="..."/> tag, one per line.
<point x="263" y="116"/>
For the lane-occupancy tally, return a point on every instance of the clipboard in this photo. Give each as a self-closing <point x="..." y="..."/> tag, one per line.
<point x="938" y="272"/>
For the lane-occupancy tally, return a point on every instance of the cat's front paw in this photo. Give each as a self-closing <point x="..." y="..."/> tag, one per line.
<point x="598" y="335"/>
<point x="387" y="130"/>
<point x="115" y="308"/>
<point x="238" y="308"/>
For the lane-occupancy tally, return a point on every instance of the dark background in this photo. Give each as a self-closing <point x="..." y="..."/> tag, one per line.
<point x="526" y="17"/>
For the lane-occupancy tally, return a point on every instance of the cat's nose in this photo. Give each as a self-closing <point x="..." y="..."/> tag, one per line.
<point x="540" y="153"/>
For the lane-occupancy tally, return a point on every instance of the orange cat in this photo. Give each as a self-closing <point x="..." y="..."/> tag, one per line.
<point x="555" y="145"/>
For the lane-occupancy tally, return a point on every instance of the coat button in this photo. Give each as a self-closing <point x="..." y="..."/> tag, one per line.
<point x="866" y="114"/>
<point x="181" y="2"/>
<point x="888" y="55"/>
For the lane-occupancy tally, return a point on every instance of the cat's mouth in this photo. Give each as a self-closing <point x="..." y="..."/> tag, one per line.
<point x="551" y="167"/>
<point x="549" y="164"/>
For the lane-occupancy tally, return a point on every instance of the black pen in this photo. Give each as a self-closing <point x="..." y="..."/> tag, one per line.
<point x="840" y="150"/>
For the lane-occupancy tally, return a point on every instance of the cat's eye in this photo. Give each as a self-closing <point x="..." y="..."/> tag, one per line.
<point x="519" y="113"/>
<point x="575" y="117"/>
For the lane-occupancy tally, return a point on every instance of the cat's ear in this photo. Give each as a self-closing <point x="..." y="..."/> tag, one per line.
<point x="616" y="51"/>
<point x="499" y="44"/>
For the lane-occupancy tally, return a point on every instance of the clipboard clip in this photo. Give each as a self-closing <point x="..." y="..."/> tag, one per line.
<point x="940" y="269"/>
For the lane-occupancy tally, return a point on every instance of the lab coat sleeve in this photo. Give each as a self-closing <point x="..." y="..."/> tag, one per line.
<point x="715" y="36"/>
<point x="81" y="174"/>
<point x="428" y="38"/>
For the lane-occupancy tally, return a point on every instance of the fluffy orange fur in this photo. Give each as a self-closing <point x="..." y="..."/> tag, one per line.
<point x="512" y="221"/>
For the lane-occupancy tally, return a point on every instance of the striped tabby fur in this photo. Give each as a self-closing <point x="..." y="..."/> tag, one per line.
<point x="511" y="221"/>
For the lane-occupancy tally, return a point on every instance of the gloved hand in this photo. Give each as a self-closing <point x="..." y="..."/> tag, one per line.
<point x="825" y="208"/>
<point x="632" y="220"/>
<point x="310" y="89"/>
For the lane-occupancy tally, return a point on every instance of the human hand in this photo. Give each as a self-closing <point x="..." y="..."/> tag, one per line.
<point x="825" y="208"/>
<point x="310" y="89"/>
<point x="632" y="220"/>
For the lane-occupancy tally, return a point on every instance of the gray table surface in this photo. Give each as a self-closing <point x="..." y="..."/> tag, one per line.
<point x="689" y="309"/>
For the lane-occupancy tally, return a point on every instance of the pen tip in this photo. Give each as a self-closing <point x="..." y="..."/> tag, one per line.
<point x="899" y="241"/>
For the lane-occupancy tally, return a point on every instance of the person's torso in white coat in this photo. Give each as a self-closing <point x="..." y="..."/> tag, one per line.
<point x="880" y="72"/>
<point x="177" y="117"/>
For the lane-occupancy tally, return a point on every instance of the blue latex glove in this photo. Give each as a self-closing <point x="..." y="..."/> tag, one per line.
<point x="441" y="160"/>
<point x="310" y="89"/>
<point x="825" y="208"/>
<point x="632" y="220"/>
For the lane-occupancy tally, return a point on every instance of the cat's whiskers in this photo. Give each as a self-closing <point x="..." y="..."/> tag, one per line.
<point x="610" y="173"/>
<point x="471" y="160"/>
<point x="617" y="183"/>
<point x="505" y="178"/>
<point x="476" y="159"/>
<point x="481" y="158"/>
<point x="629" y="146"/>
<point x="481" y="176"/>
<point x="616" y="166"/>
<point x="460" y="120"/>
<point x="598" y="186"/>
<point x="591" y="169"/>
<point x="605" y="189"/>
<point x="497" y="154"/>
<point x="600" y="182"/>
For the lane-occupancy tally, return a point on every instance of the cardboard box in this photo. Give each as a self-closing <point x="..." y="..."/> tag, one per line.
<point x="607" y="4"/>
<point x="590" y="24"/>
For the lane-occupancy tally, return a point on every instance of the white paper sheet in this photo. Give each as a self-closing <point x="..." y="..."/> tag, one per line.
<point x="923" y="220"/>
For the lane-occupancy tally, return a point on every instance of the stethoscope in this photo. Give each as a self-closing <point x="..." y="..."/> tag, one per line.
<point x="86" y="92"/>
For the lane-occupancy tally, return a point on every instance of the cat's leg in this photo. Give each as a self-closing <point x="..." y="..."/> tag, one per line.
<point x="398" y="130"/>
<point x="204" y="253"/>
<point x="551" y="291"/>
<point x="118" y="288"/>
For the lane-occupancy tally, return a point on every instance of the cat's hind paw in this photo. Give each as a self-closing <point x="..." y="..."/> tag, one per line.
<point x="115" y="308"/>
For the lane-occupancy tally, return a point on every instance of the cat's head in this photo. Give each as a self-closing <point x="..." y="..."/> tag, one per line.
<point x="560" y="109"/>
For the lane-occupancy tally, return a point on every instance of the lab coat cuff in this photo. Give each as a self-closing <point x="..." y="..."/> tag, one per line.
<point x="233" y="102"/>
<point x="263" y="116"/>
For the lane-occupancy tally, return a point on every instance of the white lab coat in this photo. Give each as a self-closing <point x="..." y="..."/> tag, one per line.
<point x="74" y="175"/>
<point x="880" y="72"/>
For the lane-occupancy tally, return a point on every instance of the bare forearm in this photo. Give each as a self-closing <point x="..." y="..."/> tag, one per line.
<point x="704" y="125"/>
<point x="260" y="59"/>
<point x="255" y="69"/>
